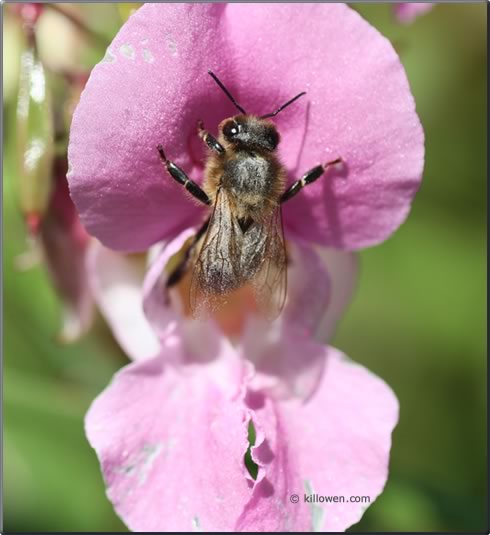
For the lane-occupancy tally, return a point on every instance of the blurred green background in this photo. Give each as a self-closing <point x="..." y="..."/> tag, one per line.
<point x="418" y="319"/>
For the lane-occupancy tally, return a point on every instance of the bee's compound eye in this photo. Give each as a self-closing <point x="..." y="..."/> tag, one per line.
<point x="230" y="129"/>
<point x="272" y="138"/>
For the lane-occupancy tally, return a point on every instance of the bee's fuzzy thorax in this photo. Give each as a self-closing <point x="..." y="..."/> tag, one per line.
<point x="253" y="181"/>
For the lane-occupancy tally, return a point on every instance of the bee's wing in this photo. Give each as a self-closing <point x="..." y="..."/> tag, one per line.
<point x="270" y="282"/>
<point x="217" y="268"/>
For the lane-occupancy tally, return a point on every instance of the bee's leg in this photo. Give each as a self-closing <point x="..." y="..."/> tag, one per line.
<point x="210" y="140"/>
<point x="179" y="176"/>
<point x="181" y="268"/>
<point x="308" y="178"/>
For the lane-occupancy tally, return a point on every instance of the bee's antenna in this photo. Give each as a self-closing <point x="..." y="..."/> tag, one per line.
<point x="283" y="106"/>
<point x="227" y="93"/>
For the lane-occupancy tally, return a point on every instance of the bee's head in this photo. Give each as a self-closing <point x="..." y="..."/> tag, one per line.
<point x="250" y="132"/>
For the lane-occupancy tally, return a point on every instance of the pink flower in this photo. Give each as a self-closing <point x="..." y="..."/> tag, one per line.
<point x="407" y="12"/>
<point x="171" y="431"/>
<point x="172" y="444"/>
<point x="174" y="427"/>
<point x="153" y="87"/>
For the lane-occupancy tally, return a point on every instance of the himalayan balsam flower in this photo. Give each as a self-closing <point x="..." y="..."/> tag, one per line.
<point x="172" y="439"/>
<point x="171" y="431"/>
<point x="407" y="12"/>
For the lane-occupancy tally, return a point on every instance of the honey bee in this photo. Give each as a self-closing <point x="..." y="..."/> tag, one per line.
<point x="242" y="240"/>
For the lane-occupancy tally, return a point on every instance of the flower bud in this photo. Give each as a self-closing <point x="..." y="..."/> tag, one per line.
<point x="35" y="138"/>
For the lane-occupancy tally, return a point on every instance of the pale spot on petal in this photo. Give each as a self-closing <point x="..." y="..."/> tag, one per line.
<point x="172" y="45"/>
<point x="148" y="56"/>
<point x="109" y="57"/>
<point x="196" y="524"/>
<point x="127" y="51"/>
<point x="317" y="513"/>
<point x="141" y="463"/>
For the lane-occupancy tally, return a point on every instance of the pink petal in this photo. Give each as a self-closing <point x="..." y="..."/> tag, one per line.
<point x="343" y="270"/>
<point x="151" y="88"/>
<point x="158" y="310"/>
<point x="64" y="244"/>
<point x="320" y="286"/>
<point x="269" y="508"/>
<point x="288" y="362"/>
<point x="309" y="287"/>
<point x="116" y="281"/>
<point x="335" y="444"/>
<point x="172" y="444"/>
<point x="144" y="429"/>
<point x="195" y="338"/>
<point x="407" y="12"/>
<point x="358" y="106"/>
